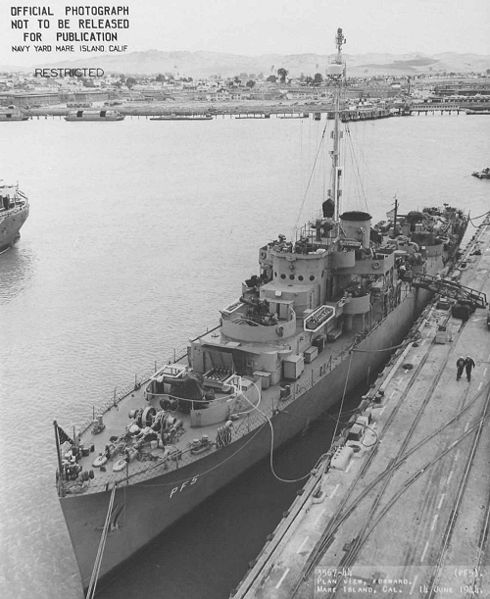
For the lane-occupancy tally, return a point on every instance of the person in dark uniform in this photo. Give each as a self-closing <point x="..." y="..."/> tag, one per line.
<point x="460" y="364"/>
<point x="469" y="364"/>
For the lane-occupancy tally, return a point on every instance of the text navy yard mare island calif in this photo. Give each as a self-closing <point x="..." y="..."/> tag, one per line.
<point x="321" y="316"/>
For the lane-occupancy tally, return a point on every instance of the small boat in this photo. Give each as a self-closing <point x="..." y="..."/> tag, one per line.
<point x="483" y="174"/>
<point x="470" y="111"/>
<point x="12" y="113"/>
<point x="94" y="115"/>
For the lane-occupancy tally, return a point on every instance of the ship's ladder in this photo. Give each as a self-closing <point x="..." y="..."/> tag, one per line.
<point x="451" y="289"/>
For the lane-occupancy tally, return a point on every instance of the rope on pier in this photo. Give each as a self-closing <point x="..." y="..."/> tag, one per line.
<point x="100" y="550"/>
<point x="478" y="217"/>
<point x="271" y="453"/>
<point x="392" y="347"/>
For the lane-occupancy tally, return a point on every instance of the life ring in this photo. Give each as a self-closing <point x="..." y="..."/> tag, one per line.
<point x="279" y="331"/>
<point x="99" y="461"/>
<point x="120" y="465"/>
<point x="263" y="254"/>
<point x="376" y="265"/>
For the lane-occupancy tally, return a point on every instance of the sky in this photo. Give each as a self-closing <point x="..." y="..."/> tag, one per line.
<point x="255" y="27"/>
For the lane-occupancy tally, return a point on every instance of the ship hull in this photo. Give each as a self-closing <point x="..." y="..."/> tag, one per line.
<point x="144" y="510"/>
<point x="10" y="225"/>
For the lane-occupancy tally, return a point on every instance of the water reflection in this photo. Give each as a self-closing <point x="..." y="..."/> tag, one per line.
<point x="16" y="269"/>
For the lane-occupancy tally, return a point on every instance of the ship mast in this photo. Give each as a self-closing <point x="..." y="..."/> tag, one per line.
<point x="336" y="72"/>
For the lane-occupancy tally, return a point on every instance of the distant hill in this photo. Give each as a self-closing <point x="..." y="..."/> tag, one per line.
<point x="204" y="64"/>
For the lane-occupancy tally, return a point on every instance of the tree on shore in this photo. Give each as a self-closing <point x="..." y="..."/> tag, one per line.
<point x="130" y="82"/>
<point x="282" y="72"/>
<point x="250" y="83"/>
<point x="317" y="79"/>
<point x="271" y="79"/>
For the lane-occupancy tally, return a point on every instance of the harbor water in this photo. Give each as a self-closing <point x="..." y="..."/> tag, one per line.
<point x="139" y="232"/>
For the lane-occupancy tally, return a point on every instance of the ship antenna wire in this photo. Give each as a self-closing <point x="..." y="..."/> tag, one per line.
<point x="311" y="175"/>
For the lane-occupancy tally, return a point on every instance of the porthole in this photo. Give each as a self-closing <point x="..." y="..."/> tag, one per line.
<point x="291" y="277"/>
<point x="283" y="276"/>
<point x="312" y="277"/>
<point x="300" y="277"/>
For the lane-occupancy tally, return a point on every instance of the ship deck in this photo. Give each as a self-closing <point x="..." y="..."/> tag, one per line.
<point x="154" y="461"/>
<point x="408" y="515"/>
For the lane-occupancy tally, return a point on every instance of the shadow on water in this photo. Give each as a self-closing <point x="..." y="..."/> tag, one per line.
<point x="206" y="554"/>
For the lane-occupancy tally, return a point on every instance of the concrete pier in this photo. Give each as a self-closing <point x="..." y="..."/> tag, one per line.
<point x="405" y="512"/>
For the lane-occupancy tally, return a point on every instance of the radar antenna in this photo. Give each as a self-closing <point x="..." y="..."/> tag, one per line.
<point x="340" y="40"/>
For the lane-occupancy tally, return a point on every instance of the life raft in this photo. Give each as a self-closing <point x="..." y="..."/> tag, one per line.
<point x="120" y="465"/>
<point x="99" y="461"/>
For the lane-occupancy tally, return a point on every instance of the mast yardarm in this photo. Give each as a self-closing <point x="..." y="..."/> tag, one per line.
<point x="336" y="72"/>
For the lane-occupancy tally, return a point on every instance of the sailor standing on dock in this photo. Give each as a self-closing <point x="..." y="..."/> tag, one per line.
<point x="469" y="365"/>
<point x="460" y="364"/>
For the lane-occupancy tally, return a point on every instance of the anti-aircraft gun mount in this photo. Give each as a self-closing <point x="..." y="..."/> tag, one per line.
<point x="259" y="311"/>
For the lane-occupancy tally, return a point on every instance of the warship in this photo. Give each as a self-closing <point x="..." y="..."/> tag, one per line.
<point x="14" y="210"/>
<point x="322" y="314"/>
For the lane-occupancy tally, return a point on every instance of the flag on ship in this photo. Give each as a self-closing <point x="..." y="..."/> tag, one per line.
<point x="62" y="436"/>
